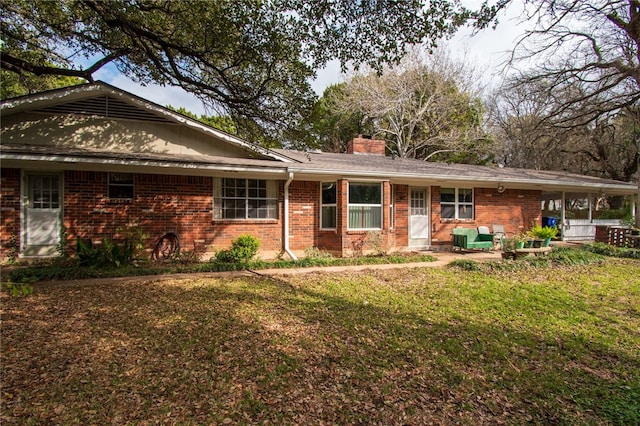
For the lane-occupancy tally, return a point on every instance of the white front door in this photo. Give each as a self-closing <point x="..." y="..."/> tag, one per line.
<point x="42" y="218"/>
<point x="418" y="217"/>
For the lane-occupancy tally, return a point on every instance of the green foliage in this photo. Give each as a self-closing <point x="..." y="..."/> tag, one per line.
<point x="613" y="251"/>
<point x="572" y="256"/>
<point x="14" y="85"/>
<point x="254" y="60"/>
<point x="242" y="249"/>
<point x="328" y="128"/>
<point x="59" y="271"/>
<point x="543" y="232"/>
<point x="559" y="257"/>
<point x="224" y="123"/>
<point x="111" y="252"/>
<point x="18" y="289"/>
<point x="465" y="264"/>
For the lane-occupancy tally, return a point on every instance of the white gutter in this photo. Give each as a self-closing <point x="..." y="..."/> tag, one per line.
<point x="71" y="159"/>
<point x="285" y="221"/>
<point x="547" y="184"/>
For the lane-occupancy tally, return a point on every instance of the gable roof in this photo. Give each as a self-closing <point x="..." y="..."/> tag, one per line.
<point x="103" y="100"/>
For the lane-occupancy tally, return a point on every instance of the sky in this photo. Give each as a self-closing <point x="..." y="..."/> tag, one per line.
<point x="488" y="48"/>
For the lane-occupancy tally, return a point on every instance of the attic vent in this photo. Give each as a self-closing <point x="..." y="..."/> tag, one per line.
<point x="104" y="106"/>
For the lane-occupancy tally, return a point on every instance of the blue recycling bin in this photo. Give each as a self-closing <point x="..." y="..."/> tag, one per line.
<point x="550" y="221"/>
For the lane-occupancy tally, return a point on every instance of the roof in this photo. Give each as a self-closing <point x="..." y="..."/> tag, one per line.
<point x="413" y="171"/>
<point x="102" y="99"/>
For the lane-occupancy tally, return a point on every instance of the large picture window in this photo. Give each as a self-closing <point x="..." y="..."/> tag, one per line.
<point x="328" y="206"/>
<point x="365" y="205"/>
<point x="245" y="199"/>
<point x="121" y="186"/>
<point x="456" y="203"/>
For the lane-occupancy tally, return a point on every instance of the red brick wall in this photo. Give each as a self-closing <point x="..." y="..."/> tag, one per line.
<point x="516" y="209"/>
<point x="184" y="204"/>
<point x="304" y="214"/>
<point x="9" y="212"/>
<point x="401" y="225"/>
<point x="179" y="204"/>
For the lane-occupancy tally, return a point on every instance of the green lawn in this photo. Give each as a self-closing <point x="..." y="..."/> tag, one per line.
<point x="408" y="346"/>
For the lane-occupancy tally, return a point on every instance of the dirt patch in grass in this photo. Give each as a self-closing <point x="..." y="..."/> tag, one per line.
<point x="419" y="346"/>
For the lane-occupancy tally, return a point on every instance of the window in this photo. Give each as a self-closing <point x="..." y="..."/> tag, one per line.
<point x="121" y="186"/>
<point x="328" y="205"/>
<point x="245" y="199"/>
<point x="365" y="205"/>
<point x="45" y="192"/>
<point x="456" y="203"/>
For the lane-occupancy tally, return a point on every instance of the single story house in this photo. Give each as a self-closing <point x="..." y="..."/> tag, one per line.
<point x="86" y="160"/>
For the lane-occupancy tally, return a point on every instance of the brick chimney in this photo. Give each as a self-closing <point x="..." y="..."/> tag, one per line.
<point x="366" y="145"/>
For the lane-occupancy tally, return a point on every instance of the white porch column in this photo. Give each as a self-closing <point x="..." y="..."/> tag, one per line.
<point x="563" y="217"/>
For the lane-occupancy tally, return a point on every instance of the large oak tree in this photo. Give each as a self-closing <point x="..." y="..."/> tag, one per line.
<point x="247" y="58"/>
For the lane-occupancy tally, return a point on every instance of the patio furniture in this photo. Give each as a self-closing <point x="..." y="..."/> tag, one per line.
<point x="471" y="239"/>
<point x="499" y="232"/>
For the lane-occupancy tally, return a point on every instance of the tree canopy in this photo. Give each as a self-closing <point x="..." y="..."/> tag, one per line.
<point x="426" y="107"/>
<point x="245" y="58"/>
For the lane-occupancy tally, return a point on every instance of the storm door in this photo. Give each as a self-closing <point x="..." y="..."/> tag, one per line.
<point x="418" y="217"/>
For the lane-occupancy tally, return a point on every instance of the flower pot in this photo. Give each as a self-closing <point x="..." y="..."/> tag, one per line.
<point x="546" y="242"/>
<point x="529" y="244"/>
<point x="519" y="245"/>
<point x="537" y="243"/>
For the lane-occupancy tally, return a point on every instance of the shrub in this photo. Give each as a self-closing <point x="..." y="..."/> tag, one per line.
<point x="111" y="253"/>
<point x="465" y="264"/>
<point x="613" y="251"/>
<point x="242" y="249"/>
<point x="569" y="256"/>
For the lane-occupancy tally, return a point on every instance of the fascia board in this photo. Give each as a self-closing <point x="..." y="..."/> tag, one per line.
<point x="146" y="164"/>
<point x="440" y="180"/>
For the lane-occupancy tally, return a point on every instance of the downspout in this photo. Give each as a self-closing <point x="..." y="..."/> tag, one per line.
<point x="285" y="244"/>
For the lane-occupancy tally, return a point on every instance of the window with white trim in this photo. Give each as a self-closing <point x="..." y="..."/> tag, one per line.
<point x="120" y="186"/>
<point x="245" y="198"/>
<point x="456" y="203"/>
<point x="365" y="205"/>
<point x="328" y="211"/>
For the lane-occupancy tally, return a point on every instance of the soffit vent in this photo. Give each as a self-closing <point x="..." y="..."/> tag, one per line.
<point x="104" y="106"/>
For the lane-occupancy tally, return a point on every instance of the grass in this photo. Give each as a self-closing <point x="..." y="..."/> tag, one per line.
<point x="556" y="345"/>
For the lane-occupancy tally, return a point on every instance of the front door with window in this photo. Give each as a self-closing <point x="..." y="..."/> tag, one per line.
<point x="42" y="214"/>
<point x="418" y="218"/>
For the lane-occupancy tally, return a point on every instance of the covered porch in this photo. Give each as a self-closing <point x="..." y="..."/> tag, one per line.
<point x="578" y="214"/>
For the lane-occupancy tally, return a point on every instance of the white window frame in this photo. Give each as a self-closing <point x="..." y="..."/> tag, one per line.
<point x="362" y="205"/>
<point x="457" y="204"/>
<point x="334" y="205"/>
<point x="271" y="197"/>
